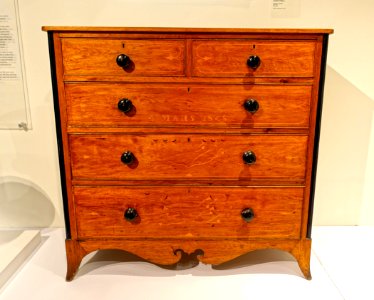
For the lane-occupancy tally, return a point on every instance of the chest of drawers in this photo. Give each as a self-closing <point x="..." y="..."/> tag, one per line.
<point x="187" y="141"/>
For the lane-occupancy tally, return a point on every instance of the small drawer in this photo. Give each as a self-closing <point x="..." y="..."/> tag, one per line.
<point x="188" y="212"/>
<point x="246" y="58"/>
<point x="187" y="157"/>
<point x="88" y="56"/>
<point x="245" y="106"/>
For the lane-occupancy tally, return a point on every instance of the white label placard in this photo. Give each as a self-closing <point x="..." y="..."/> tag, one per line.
<point x="13" y="97"/>
<point x="285" y="8"/>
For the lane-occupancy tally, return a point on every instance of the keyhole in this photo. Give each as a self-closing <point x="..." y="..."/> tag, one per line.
<point x="123" y="45"/>
<point x="254" y="46"/>
<point x="188" y="89"/>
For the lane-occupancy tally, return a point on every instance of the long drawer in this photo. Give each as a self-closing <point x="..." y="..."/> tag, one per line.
<point x="188" y="212"/>
<point x="243" y="106"/>
<point x="183" y="156"/>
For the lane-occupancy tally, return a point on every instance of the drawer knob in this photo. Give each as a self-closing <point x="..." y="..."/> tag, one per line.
<point x="127" y="157"/>
<point x="123" y="60"/>
<point x="249" y="157"/>
<point x="251" y="105"/>
<point x="247" y="214"/>
<point x="125" y="105"/>
<point x="253" y="61"/>
<point x="130" y="214"/>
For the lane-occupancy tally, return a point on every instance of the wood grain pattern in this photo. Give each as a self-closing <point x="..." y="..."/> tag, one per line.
<point x="98" y="57"/>
<point x="229" y="58"/>
<point x="167" y="30"/>
<point x="255" y="182"/>
<point x="166" y="80"/>
<point x="182" y="212"/>
<point x="214" y="252"/>
<point x="188" y="131"/>
<point x="74" y="256"/>
<point x="60" y="112"/>
<point x="188" y="105"/>
<point x="313" y="142"/>
<point x="187" y="156"/>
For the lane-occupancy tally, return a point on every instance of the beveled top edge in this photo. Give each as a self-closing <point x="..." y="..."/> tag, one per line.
<point x="186" y="30"/>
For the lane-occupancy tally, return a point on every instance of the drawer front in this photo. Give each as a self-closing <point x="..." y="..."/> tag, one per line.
<point x="148" y="57"/>
<point x="182" y="212"/>
<point x="229" y="58"/>
<point x="183" y="156"/>
<point x="188" y="105"/>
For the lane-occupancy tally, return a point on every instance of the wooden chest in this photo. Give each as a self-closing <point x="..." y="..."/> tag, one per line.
<point x="177" y="141"/>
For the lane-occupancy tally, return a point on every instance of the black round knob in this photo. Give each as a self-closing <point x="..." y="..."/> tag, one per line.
<point x="130" y="214"/>
<point x="253" y="61"/>
<point x="123" y="60"/>
<point x="249" y="157"/>
<point x="127" y="157"/>
<point x="124" y="105"/>
<point x="247" y="214"/>
<point x="251" y="105"/>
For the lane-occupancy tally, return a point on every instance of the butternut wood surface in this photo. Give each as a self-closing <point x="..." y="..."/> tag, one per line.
<point x="74" y="256"/>
<point x="228" y="58"/>
<point x="166" y="80"/>
<point x="206" y="129"/>
<point x="313" y="142"/>
<point x="170" y="251"/>
<point x="98" y="57"/>
<point x="63" y="148"/>
<point x="188" y="131"/>
<point x="182" y="212"/>
<point x="187" y="105"/>
<point x="187" y="156"/>
<point x="166" y="30"/>
<point x="253" y="182"/>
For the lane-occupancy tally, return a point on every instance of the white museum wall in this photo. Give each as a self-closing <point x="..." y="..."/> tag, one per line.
<point x="29" y="175"/>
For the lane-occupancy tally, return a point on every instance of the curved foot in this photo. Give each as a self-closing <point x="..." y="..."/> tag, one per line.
<point x="74" y="256"/>
<point x="302" y="255"/>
